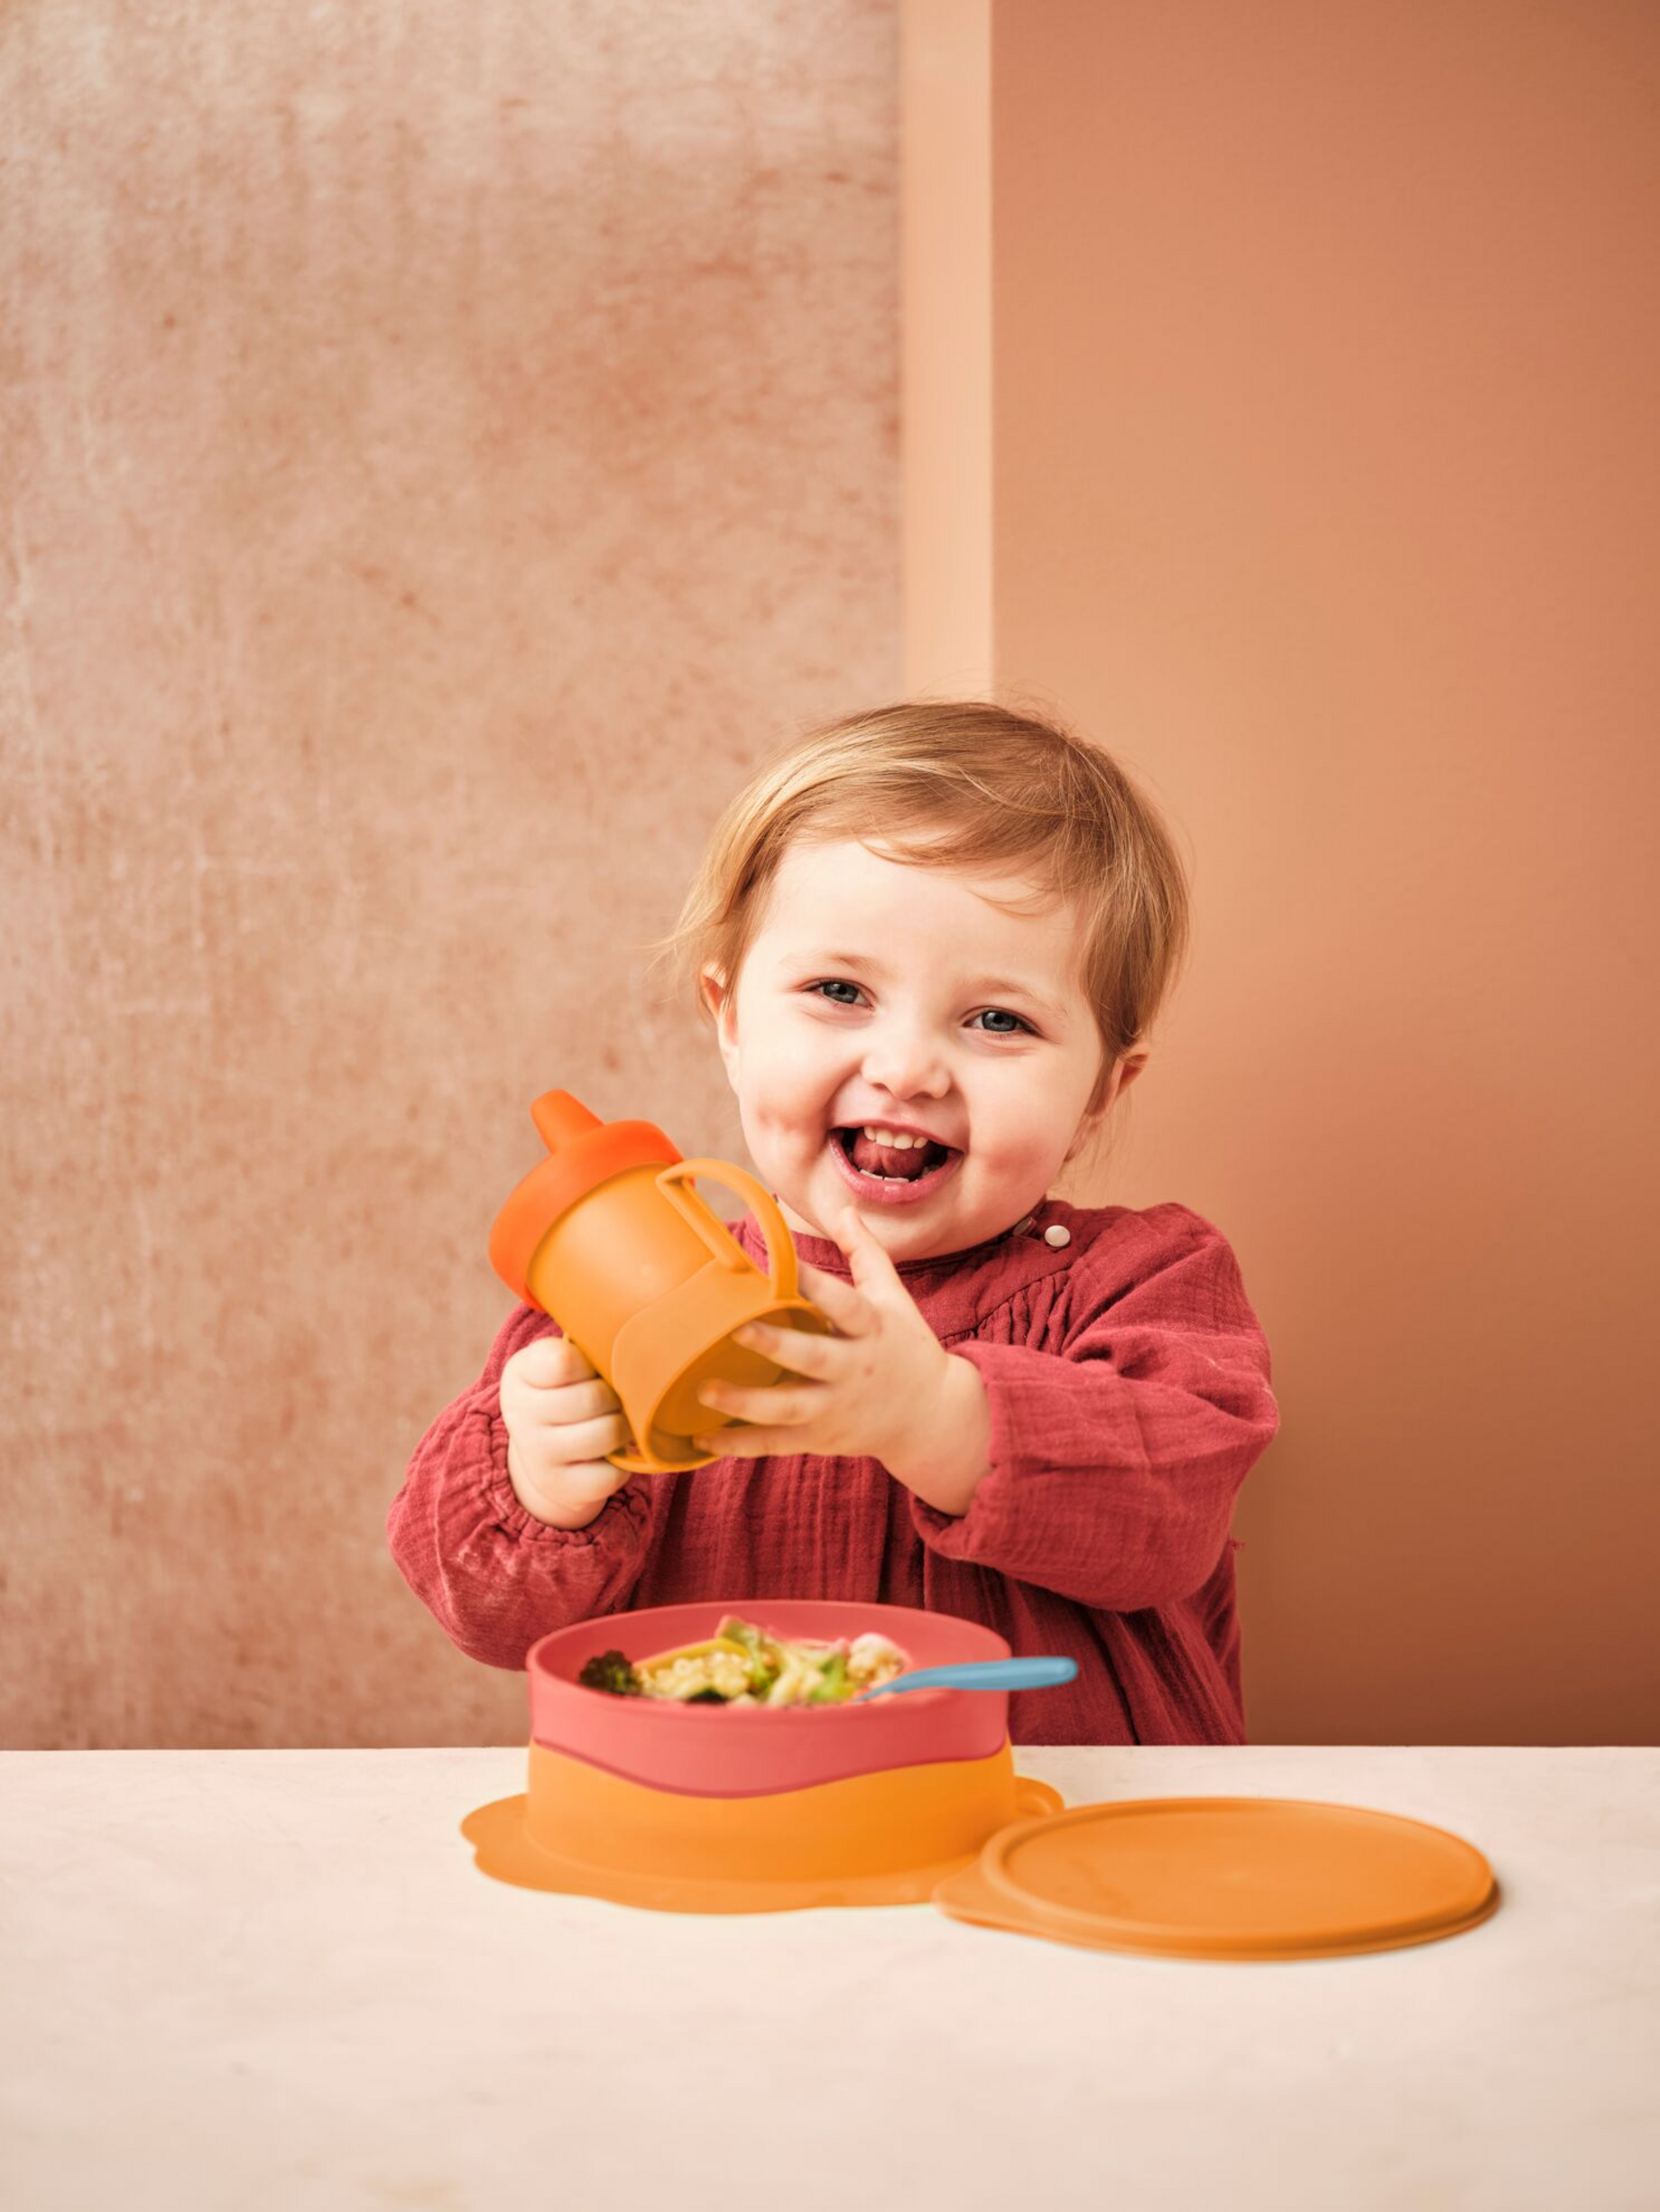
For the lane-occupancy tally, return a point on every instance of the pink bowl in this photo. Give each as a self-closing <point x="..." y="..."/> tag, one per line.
<point x="705" y="1751"/>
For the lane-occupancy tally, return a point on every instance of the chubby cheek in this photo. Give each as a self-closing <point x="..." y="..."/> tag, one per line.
<point x="1011" y="1157"/>
<point x="780" y="1110"/>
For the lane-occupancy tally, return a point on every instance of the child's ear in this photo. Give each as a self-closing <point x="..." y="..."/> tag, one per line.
<point x="1108" y="1092"/>
<point x="722" y="1007"/>
<point x="1129" y="1068"/>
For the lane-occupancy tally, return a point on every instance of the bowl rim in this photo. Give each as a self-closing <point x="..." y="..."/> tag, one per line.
<point x="562" y="1686"/>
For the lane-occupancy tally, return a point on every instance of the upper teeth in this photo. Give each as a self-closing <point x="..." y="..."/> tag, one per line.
<point x="900" y="1142"/>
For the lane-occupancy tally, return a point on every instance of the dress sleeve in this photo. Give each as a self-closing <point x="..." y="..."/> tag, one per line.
<point x="495" y="1576"/>
<point x="1115" y="1461"/>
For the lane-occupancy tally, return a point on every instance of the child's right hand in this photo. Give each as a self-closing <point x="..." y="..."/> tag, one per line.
<point x="561" y="1418"/>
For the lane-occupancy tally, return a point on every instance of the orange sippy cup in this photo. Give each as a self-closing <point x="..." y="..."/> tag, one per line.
<point x="609" y="1238"/>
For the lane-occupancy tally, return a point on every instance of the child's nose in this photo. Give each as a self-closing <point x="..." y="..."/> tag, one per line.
<point x="906" y="1063"/>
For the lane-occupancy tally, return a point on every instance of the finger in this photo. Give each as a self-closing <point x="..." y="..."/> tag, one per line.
<point x="752" y="1443"/>
<point x="584" y="1480"/>
<point x="793" y="1349"/>
<point x="551" y="1360"/>
<point x="782" y="1404"/>
<point x="583" y="1440"/>
<point x="840" y="1302"/>
<point x="559" y="1405"/>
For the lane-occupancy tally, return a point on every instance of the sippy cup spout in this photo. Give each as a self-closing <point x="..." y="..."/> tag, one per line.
<point x="561" y="1118"/>
<point x="583" y="1155"/>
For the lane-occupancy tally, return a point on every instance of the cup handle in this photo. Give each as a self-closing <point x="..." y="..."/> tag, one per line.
<point x="675" y="1183"/>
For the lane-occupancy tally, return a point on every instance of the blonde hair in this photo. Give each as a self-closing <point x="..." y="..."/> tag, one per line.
<point x="965" y="785"/>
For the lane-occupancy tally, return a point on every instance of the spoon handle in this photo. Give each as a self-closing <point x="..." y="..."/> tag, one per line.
<point x="1037" y="1674"/>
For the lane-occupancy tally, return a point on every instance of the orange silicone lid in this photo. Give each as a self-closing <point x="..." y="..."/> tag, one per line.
<point x="582" y="1152"/>
<point x="1226" y="1878"/>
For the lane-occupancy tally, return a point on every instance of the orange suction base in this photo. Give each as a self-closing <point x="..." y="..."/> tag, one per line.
<point x="871" y="1839"/>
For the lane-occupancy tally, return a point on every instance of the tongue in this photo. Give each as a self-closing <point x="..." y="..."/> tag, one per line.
<point x="887" y="1159"/>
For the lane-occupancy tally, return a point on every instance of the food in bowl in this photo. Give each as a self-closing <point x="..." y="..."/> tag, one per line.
<point x="744" y="1664"/>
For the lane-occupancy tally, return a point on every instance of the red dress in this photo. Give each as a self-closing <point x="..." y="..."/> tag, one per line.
<point x="1128" y="1383"/>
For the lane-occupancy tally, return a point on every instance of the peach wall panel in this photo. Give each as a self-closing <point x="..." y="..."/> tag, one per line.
<point x="1325" y="491"/>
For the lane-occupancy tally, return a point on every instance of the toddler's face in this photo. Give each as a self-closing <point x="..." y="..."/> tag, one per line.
<point x="878" y="996"/>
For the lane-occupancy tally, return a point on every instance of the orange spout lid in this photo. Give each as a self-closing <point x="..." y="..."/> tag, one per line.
<point x="582" y="1152"/>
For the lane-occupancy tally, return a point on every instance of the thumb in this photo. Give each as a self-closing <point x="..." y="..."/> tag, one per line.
<point x="548" y="1361"/>
<point x="872" y="1269"/>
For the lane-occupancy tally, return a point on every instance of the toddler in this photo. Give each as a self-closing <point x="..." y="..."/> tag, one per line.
<point x="931" y="942"/>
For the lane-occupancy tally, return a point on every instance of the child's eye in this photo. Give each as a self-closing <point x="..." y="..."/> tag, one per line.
<point x="991" y="1013"/>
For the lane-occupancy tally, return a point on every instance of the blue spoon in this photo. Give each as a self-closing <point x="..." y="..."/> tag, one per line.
<point x="980" y="1674"/>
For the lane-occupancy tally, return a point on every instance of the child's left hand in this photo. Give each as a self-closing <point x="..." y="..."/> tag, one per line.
<point x="876" y="1388"/>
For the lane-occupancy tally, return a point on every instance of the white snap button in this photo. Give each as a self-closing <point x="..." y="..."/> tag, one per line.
<point x="1057" y="1233"/>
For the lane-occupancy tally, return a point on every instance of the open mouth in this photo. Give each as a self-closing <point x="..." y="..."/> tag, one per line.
<point x="893" y="1175"/>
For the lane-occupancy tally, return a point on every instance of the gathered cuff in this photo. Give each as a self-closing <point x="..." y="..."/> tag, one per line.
<point x="1112" y="1492"/>
<point x="505" y="1512"/>
<point x="977" y="1535"/>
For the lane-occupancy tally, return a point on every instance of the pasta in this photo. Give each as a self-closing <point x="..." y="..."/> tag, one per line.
<point x="742" y="1664"/>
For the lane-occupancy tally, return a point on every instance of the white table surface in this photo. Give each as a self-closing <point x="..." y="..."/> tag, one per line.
<point x="252" y="1980"/>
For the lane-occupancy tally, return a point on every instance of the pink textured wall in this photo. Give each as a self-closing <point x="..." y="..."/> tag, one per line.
<point x="446" y="442"/>
<point x="1322" y="355"/>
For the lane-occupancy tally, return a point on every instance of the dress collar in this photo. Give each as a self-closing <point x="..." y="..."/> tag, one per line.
<point x="824" y="1254"/>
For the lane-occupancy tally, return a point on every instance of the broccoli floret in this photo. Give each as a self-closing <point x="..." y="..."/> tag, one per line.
<point x="611" y="1671"/>
<point x="833" y="1683"/>
<point x="705" y="1696"/>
